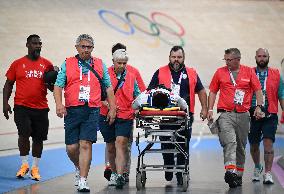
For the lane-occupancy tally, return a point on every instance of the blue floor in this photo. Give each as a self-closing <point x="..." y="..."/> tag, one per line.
<point x="56" y="163"/>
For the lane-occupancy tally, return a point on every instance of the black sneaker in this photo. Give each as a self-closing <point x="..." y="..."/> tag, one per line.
<point x="168" y="176"/>
<point x="120" y="182"/>
<point x="107" y="173"/>
<point x="126" y="176"/>
<point x="179" y="178"/>
<point x="231" y="179"/>
<point x="239" y="181"/>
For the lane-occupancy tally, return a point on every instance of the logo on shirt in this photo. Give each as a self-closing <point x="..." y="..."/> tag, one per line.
<point x="42" y="66"/>
<point x="34" y="74"/>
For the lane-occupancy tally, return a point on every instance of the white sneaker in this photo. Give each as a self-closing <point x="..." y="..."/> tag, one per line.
<point x="112" y="181"/>
<point x="83" y="186"/>
<point x="267" y="178"/>
<point x="77" y="177"/>
<point x="256" y="173"/>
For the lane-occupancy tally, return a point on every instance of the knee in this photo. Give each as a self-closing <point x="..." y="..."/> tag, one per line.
<point x="111" y="148"/>
<point x="268" y="145"/>
<point x="85" y="145"/>
<point x="72" y="148"/>
<point x="121" y="142"/>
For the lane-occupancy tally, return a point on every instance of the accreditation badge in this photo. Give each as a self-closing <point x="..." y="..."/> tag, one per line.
<point x="84" y="93"/>
<point x="175" y="89"/>
<point x="239" y="97"/>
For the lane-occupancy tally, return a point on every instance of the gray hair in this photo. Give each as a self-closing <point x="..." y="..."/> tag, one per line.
<point x="233" y="51"/>
<point x="120" y="54"/>
<point x="84" y="37"/>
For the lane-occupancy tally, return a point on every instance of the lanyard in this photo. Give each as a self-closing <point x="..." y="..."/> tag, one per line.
<point x="264" y="84"/>
<point x="265" y="79"/>
<point x="81" y="74"/>
<point x="232" y="78"/>
<point x="179" y="80"/>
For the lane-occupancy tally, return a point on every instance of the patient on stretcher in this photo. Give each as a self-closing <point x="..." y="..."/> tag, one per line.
<point x="160" y="98"/>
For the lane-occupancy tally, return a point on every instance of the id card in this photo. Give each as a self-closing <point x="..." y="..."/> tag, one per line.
<point x="239" y="97"/>
<point x="176" y="89"/>
<point x="84" y="93"/>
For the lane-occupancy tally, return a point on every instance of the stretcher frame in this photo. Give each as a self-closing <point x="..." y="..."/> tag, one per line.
<point x="150" y="122"/>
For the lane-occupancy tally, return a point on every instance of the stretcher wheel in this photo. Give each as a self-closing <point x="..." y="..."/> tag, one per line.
<point x="185" y="180"/>
<point x="139" y="181"/>
<point x="143" y="178"/>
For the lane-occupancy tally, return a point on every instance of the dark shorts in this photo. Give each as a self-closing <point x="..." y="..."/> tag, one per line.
<point x="81" y="123"/>
<point x="120" y="127"/>
<point x="31" y="122"/>
<point x="264" y="128"/>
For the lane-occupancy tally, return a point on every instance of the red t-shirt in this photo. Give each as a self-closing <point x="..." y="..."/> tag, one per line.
<point x="30" y="89"/>
<point x="246" y="81"/>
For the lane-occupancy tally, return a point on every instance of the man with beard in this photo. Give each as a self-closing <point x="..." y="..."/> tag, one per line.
<point x="265" y="128"/>
<point x="81" y="77"/>
<point x="236" y="83"/>
<point x="30" y="104"/>
<point x="183" y="81"/>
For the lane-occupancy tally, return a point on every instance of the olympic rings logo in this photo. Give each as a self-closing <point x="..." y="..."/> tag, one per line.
<point x="160" y="25"/>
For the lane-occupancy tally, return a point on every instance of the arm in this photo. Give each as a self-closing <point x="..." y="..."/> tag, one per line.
<point x="60" y="108"/>
<point x="259" y="99"/>
<point x="154" y="81"/>
<point x="203" y="101"/>
<point x="211" y="102"/>
<point x="111" y="104"/>
<point x="7" y="91"/>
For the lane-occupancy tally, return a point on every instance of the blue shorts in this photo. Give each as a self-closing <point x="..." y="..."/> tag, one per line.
<point x="81" y="123"/>
<point x="264" y="128"/>
<point x="120" y="127"/>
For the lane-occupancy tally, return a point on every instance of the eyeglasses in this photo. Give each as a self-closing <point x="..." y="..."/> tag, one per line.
<point x="86" y="47"/>
<point x="229" y="60"/>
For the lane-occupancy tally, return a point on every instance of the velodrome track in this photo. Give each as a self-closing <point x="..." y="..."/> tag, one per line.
<point x="204" y="27"/>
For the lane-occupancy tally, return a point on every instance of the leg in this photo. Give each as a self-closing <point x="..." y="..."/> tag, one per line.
<point x="24" y="145"/>
<point x="227" y="138"/>
<point x="121" y="153"/>
<point x="73" y="153"/>
<point x="111" y="151"/>
<point x="167" y="157"/>
<point x="255" y="153"/>
<point x="268" y="154"/>
<point x="85" y="157"/>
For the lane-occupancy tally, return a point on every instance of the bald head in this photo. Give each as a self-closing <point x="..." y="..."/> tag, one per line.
<point x="262" y="58"/>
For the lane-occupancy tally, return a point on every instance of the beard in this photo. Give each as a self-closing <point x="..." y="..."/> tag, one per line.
<point x="176" y="66"/>
<point x="36" y="53"/>
<point x="262" y="64"/>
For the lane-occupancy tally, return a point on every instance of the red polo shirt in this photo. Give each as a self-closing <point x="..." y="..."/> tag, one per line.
<point x="30" y="89"/>
<point x="246" y="81"/>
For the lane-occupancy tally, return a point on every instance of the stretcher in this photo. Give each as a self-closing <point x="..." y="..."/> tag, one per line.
<point x="167" y="123"/>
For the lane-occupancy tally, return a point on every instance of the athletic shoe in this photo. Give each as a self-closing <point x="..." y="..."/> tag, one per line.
<point x="267" y="178"/>
<point x="112" y="180"/>
<point x="77" y="177"/>
<point x="83" y="186"/>
<point x="120" y="182"/>
<point x="256" y="173"/>
<point x="107" y="173"/>
<point x="23" y="171"/>
<point x="168" y="176"/>
<point x="239" y="181"/>
<point x="35" y="173"/>
<point x="126" y="176"/>
<point x="231" y="179"/>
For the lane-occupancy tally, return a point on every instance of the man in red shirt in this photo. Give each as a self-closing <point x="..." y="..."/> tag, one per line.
<point x="30" y="103"/>
<point x="236" y="83"/>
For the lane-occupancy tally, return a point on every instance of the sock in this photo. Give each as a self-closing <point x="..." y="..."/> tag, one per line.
<point x="83" y="179"/>
<point x="35" y="161"/>
<point x="258" y="166"/>
<point x="25" y="159"/>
